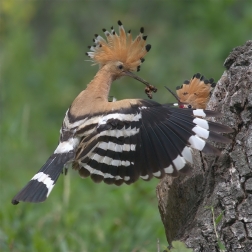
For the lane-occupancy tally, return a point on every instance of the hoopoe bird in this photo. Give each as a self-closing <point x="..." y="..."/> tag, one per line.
<point x="122" y="141"/>
<point x="196" y="92"/>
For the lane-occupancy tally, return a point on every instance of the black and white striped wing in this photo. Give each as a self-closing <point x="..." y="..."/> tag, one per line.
<point x="145" y="141"/>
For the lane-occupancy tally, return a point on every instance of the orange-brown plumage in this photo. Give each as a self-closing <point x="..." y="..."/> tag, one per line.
<point x="117" y="57"/>
<point x="195" y="92"/>
<point x="119" y="47"/>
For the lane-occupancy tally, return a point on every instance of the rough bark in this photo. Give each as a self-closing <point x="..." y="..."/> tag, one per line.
<point x="224" y="182"/>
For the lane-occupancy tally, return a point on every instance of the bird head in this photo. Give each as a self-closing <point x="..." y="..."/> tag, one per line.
<point x="194" y="94"/>
<point x="119" y="48"/>
<point x="119" y="53"/>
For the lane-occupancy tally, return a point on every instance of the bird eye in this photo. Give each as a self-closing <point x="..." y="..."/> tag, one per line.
<point x="120" y="66"/>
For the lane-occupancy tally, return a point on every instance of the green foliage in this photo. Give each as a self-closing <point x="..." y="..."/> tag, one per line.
<point x="218" y="218"/>
<point x="221" y="245"/>
<point x="216" y="221"/>
<point x="178" y="246"/>
<point x="43" y="67"/>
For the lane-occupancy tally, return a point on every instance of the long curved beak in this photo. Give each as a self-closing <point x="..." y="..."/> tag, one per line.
<point x="177" y="98"/>
<point x="132" y="75"/>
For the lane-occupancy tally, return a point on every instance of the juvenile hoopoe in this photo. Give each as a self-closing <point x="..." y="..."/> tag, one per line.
<point x="196" y="92"/>
<point x="120" y="141"/>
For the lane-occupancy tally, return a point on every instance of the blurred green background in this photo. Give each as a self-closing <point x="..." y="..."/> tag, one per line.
<point x="44" y="66"/>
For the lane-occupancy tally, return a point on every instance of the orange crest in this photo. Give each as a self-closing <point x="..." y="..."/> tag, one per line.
<point x="195" y="92"/>
<point x="119" y="47"/>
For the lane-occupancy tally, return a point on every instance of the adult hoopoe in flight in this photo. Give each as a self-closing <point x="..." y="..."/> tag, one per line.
<point x="120" y="141"/>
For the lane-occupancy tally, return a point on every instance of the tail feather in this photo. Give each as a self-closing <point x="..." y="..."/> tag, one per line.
<point x="40" y="186"/>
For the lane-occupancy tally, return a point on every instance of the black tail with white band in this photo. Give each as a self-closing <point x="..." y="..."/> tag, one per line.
<point x="139" y="141"/>
<point x="40" y="186"/>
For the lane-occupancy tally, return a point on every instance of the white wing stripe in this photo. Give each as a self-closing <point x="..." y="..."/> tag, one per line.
<point x="157" y="174"/>
<point x="119" y="133"/>
<point x="201" y="122"/>
<point x="187" y="154"/>
<point x="101" y="119"/>
<point x="121" y="117"/>
<point x="144" y="177"/>
<point x="201" y="132"/>
<point x="110" y="161"/>
<point x="179" y="162"/>
<point x="199" y="112"/>
<point x="168" y="169"/>
<point x="105" y="175"/>
<point x="119" y="148"/>
<point x="197" y="142"/>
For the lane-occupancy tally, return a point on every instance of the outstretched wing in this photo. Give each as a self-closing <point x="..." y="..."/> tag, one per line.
<point x="145" y="140"/>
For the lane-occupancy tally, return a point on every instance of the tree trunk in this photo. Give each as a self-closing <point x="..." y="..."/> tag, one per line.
<point x="225" y="182"/>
